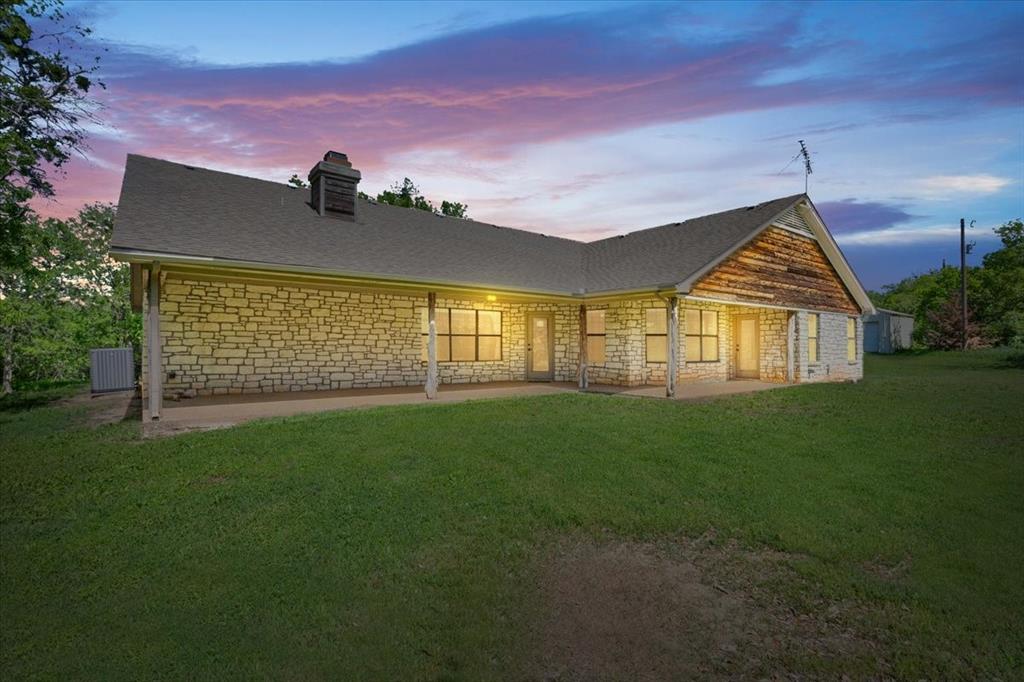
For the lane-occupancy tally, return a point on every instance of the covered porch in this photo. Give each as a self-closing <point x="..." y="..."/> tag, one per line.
<point x="231" y="346"/>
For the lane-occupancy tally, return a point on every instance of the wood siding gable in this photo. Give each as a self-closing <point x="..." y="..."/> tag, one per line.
<point x="779" y="268"/>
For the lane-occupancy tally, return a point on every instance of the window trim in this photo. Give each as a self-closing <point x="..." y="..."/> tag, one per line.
<point x="700" y="335"/>
<point x="603" y="335"/>
<point x="648" y="335"/>
<point x="476" y="335"/>
<point x="817" y="338"/>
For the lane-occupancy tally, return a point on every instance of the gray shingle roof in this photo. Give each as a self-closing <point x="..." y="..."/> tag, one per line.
<point x="171" y="208"/>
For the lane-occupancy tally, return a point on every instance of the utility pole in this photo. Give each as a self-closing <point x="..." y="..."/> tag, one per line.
<point x="963" y="288"/>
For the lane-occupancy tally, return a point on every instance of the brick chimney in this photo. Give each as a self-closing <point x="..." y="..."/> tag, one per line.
<point x="334" y="186"/>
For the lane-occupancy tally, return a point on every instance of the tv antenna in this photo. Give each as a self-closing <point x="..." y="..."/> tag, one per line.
<point x="805" y="154"/>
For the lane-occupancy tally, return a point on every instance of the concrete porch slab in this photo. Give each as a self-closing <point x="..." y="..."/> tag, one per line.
<point x="690" y="391"/>
<point x="211" y="412"/>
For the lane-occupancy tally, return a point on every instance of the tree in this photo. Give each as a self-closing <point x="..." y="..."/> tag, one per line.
<point x="1002" y="277"/>
<point x="407" y="195"/>
<point x="71" y="298"/>
<point x="945" y="323"/>
<point x="44" y="97"/>
<point x="296" y="181"/>
<point x="1011" y="234"/>
<point x="454" y="209"/>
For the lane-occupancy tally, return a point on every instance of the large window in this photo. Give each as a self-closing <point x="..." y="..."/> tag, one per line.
<point x="851" y="339"/>
<point x="813" y="324"/>
<point x="701" y="335"/>
<point x="464" y="335"/>
<point x="595" y="337"/>
<point x="657" y="335"/>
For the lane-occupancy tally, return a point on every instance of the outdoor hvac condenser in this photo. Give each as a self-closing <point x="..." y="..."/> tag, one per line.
<point x="112" y="369"/>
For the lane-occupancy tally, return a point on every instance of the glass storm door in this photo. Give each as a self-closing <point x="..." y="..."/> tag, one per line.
<point x="747" y="351"/>
<point x="540" y="347"/>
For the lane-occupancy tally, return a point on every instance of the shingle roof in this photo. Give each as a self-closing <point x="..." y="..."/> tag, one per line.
<point x="667" y="255"/>
<point x="171" y="208"/>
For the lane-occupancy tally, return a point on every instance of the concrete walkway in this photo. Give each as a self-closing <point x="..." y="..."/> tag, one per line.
<point x="213" y="412"/>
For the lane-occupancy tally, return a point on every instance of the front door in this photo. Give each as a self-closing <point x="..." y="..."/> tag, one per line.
<point x="747" y="350"/>
<point x="540" y="347"/>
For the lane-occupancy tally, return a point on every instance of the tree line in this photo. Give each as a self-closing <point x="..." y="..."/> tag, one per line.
<point x="995" y="298"/>
<point x="69" y="297"/>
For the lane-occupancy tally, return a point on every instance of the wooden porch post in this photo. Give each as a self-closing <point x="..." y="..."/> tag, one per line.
<point x="672" y="339"/>
<point x="584" y="382"/>
<point x="431" y="345"/>
<point x="155" y="379"/>
<point x="790" y="350"/>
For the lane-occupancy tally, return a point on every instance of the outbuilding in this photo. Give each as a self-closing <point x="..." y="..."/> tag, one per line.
<point x="887" y="331"/>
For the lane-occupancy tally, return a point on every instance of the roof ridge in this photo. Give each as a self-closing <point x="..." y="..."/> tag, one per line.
<point x="474" y="221"/>
<point x="190" y="166"/>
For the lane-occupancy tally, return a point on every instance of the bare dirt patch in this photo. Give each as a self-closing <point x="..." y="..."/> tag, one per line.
<point x="687" y="609"/>
<point x="107" y="408"/>
<point x="158" y="429"/>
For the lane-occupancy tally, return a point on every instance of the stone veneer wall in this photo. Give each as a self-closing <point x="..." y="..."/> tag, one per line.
<point x="223" y="337"/>
<point x="774" y="357"/>
<point x="833" y="364"/>
<point x="625" y="346"/>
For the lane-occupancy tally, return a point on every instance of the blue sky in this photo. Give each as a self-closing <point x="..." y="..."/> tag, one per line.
<point x="590" y="119"/>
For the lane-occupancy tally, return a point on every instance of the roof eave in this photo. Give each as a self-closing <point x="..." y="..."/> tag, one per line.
<point x="129" y="255"/>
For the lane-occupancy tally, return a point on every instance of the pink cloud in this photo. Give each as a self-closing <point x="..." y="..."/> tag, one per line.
<point x="479" y="94"/>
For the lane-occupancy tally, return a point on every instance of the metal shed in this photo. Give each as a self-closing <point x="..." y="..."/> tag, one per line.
<point x="111" y="369"/>
<point x="888" y="331"/>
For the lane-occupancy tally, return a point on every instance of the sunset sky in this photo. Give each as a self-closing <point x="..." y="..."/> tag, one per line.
<point x="589" y="119"/>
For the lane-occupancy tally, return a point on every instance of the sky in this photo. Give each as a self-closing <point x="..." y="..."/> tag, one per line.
<point x="588" y="120"/>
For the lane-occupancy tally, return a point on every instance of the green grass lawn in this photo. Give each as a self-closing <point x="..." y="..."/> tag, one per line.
<point x="399" y="543"/>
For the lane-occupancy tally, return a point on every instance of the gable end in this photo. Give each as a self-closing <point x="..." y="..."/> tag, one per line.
<point x="778" y="268"/>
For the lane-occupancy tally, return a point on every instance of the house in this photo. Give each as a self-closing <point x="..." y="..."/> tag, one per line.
<point x="888" y="331"/>
<point x="252" y="286"/>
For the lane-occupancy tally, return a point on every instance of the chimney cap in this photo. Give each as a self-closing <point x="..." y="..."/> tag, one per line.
<point x="338" y="158"/>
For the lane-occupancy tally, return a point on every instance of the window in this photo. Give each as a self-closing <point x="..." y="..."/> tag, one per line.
<point x="851" y="339"/>
<point x="813" y="324"/>
<point x="701" y="335"/>
<point x="595" y="337"/>
<point x="657" y="335"/>
<point x="464" y="335"/>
